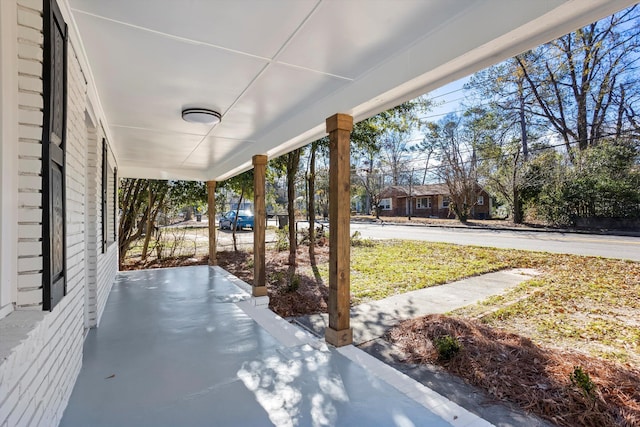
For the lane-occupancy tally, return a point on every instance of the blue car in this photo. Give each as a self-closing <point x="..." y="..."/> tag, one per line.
<point x="245" y="220"/>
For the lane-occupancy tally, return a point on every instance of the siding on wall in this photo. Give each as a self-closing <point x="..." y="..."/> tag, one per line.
<point x="39" y="368"/>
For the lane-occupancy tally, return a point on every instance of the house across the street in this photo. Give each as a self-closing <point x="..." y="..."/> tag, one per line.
<point x="428" y="201"/>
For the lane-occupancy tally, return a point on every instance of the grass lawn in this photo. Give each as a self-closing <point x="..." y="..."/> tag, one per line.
<point x="590" y="302"/>
<point x="381" y="269"/>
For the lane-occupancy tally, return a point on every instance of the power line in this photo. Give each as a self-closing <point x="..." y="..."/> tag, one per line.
<point x="503" y="156"/>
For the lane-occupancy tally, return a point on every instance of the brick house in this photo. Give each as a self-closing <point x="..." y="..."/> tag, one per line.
<point x="428" y="201"/>
<point x="94" y="91"/>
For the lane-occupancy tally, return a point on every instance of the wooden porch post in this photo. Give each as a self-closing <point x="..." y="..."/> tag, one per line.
<point x="259" y="226"/>
<point x="339" y="332"/>
<point x="211" y="215"/>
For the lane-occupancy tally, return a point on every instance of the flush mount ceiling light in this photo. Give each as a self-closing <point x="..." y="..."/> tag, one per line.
<point x="201" y="115"/>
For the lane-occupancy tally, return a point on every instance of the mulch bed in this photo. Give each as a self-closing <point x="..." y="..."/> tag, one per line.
<point x="511" y="368"/>
<point x="185" y="261"/>
<point x="308" y="297"/>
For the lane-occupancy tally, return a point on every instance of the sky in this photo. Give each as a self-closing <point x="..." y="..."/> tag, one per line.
<point x="446" y="99"/>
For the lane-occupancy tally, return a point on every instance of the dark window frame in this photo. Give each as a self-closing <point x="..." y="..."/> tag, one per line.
<point x="54" y="264"/>
<point x="108" y="236"/>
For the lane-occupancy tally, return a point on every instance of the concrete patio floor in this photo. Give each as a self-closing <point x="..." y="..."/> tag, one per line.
<point x="188" y="346"/>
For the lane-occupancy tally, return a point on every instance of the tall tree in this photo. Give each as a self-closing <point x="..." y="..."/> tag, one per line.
<point x="242" y="185"/>
<point x="133" y="199"/>
<point x="157" y="194"/>
<point x="315" y="146"/>
<point x="142" y="201"/>
<point x="293" y="161"/>
<point x="457" y="168"/>
<point x="582" y="81"/>
<point x="384" y="136"/>
<point x="288" y="165"/>
<point x="395" y="154"/>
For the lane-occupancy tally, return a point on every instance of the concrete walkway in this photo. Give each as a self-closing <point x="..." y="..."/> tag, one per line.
<point x="372" y="320"/>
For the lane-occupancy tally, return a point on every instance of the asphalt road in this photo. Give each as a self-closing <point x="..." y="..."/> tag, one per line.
<point x="609" y="246"/>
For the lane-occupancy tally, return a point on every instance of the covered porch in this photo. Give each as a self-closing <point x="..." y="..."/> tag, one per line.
<point x="188" y="346"/>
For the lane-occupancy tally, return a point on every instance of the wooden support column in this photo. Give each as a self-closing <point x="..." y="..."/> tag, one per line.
<point x="339" y="332"/>
<point x="259" y="226"/>
<point x="211" y="215"/>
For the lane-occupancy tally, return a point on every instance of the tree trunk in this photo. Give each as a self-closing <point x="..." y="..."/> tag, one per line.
<point x="188" y="213"/>
<point x="517" y="204"/>
<point x="149" y="225"/>
<point x="523" y="122"/>
<point x="312" y="204"/>
<point x="132" y="203"/>
<point x="235" y="221"/>
<point x="293" y="161"/>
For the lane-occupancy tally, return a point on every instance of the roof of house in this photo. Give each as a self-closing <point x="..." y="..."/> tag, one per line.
<point x="416" y="190"/>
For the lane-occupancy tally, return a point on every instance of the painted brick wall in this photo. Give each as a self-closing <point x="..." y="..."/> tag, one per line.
<point x="38" y="370"/>
<point x="30" y="42"/>
<point x="108" y="261"/>
<point x="93" y="224"/>
<point x="101" y="267"/>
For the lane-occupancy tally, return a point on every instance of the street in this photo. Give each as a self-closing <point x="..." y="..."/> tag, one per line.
<point x="608" y="246"/>
<point x="624" y="247"/>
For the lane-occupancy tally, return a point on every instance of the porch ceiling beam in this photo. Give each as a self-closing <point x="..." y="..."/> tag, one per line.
<point x="339" y="332"/>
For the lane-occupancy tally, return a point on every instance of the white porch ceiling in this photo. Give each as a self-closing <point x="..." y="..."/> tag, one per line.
<point x="275" y="69"/>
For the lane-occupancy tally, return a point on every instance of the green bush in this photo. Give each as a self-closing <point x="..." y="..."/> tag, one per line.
<point x="294" y="284"/>
<point x="447" y="347"/>
<point x="282" y="238"/>
<point x="358" y="241"/>
<point x="581" y="379"/>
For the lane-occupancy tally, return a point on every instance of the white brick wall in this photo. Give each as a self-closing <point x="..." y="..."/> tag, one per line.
<point x="41" y="352"/>
<point x="93" y="223"/>
<point x="30" y="104"/>
<point x="101" y="267"/>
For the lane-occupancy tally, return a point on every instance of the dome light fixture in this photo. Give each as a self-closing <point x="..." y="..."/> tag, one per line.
<point x="201" y="115"/>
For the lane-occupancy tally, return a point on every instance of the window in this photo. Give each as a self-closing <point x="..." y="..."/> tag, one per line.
<point x="53" y="156"/>
<point x="385" y="204"/>
<point x="423" y="203"/>
<point x="480" y="200"/>
<point x="445" y="201"/>
<point x="109" y="194"/>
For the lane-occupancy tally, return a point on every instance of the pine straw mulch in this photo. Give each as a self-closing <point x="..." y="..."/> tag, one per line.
<point x="310" y="296"/>
<point x="182" y="261"/>
<point x="511" y="368"/>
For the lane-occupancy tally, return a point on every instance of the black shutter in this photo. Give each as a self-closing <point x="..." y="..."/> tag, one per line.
<point x="115" y="203"/>
<point x="53" y="156"/>
<point x="105" y="196"/>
